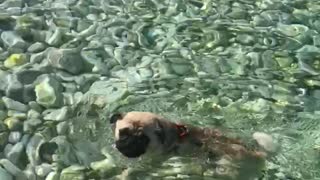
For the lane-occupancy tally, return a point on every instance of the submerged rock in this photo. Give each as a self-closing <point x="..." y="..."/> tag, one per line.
<point x="44" y="169"/>
<point x="13" y="169"/>
<point x="307" y="53"/>
<point x="14" y="137"/>
<point x="291" y="30"/>
<point x="3" y="80"/>
<point x="17" y="91"/>
<point x="14" y="105"/>
<point x="3" y="139"/>
<point x="32" y="114"/>
<point x="73" y="172"/>
<point x="108" y="91"/>
<point x="56" y="115"/>
<point x="15" y="60"/>
<point x="36" y="47"/>
<point x="53" y="176"/>
<point x="65" y="59"/>
<point x="35" y="106"/>
<point x="37" y="57"/>
<point x="49" y="91"/>
<point x="17" y="114"/>
<point x="3" y="116"/>
<point x="30" y="172"/>
<point x="25" y="139"/>
<point x="181" y="69"/>
<point x="266" y="141"/>
<point x="55" y="38"/>
<point x="93" y="61"/>
<point x="58" y="150"/>
<point x="27" y="76"/>
<point x="14" y="89"/>
<point x="32" y="149"/>
<point x="13" y="123"/>
<point x="7" y="22"/>
<point x="7" y="149"/>
<point x="104" y="166"/>
<point x="47" y="150"/>
<point x="86" y="152"/>
<point x="13" y="41"/>
<point x="62" y="128"/>
<point x="245" y="39"/>
<point x="31" y="124"/>
<point x="15" y="153"/>
<point x="2" y="126"/>
<point x="5" y="175"/>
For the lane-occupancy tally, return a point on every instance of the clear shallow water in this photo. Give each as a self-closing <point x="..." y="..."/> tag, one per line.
<point x="296" y="159"/>
<point x="248" y="72"/>
<point x="243" y="64"/>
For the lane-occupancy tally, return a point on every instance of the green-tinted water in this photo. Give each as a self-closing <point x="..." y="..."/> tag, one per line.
<point x="246" y="65"/>
<point x="66" y="65"/>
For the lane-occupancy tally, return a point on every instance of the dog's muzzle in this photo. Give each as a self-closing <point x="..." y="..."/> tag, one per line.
<point x="133" y="146"/>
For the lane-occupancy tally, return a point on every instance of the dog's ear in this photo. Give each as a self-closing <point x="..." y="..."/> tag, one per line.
<point x="159" y="131"/>
<point x="115" y="117"/>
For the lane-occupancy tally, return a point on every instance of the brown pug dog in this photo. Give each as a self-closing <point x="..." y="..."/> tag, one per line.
<point x="140" y="133"/>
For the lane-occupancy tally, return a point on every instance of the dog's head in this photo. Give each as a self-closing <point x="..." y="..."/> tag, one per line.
<point x="135" y="133"/>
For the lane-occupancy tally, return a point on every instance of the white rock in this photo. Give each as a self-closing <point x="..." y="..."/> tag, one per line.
<point x="44" y="169"/>
<point x="53" y="176"/>
<point x="266" y="141"/>
<point x="14" y="137"/>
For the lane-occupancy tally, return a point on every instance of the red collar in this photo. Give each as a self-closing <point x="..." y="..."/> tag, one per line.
<point x="183" y="131"/>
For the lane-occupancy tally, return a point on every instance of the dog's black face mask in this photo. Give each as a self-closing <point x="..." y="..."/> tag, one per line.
<point x="132" y="144"/>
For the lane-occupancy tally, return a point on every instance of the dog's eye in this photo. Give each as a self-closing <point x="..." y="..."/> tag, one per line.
<point x="124" y="133"/>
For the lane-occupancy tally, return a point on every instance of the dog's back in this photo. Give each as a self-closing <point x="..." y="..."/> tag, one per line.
<point x="230" y="157"/>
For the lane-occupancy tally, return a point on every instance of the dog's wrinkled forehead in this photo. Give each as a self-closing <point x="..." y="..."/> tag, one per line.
<point x="133" y="118"/>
